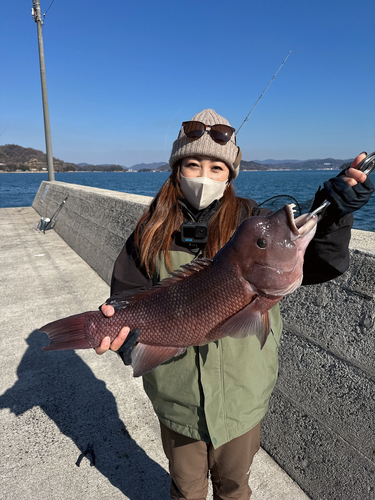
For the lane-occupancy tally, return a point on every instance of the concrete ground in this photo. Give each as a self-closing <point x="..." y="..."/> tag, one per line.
<point x="362" y="240"/>
<point x="75" y="425"/>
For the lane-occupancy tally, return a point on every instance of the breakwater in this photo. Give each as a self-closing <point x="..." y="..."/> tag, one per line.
<point x="321" y="421"/>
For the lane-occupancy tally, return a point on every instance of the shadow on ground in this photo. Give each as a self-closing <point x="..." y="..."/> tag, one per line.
<point x="66" y="389"/>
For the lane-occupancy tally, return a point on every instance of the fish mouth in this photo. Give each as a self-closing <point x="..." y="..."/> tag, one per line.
<point x="301" y="226"/>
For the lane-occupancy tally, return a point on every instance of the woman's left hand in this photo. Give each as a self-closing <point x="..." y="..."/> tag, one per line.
<point x="350" y="190"/>
<point x="352" y="175"/>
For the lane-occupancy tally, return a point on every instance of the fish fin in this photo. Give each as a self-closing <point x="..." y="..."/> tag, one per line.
<point x="147" y="357"/>
<point x="67" y="333"/>
<point x="125" y="351"/>
<point x="186" y="270"/>
<point x="248" y="321"/>
<point x="192" y="267"/>
<point x="262" y="334"/>
<point x="117" y="303"/>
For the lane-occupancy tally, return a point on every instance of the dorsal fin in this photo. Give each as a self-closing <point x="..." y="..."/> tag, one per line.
<point x="187" y="269"/>
<point x="183" y="272"/>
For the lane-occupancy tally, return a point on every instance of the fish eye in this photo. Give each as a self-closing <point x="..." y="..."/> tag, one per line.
<point x="261" y="243"/>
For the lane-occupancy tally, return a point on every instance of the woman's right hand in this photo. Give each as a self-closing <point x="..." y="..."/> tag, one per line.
<point x="106" y="344"/>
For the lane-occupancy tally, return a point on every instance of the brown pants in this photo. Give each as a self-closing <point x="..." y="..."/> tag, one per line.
<point x="229" y="465"/>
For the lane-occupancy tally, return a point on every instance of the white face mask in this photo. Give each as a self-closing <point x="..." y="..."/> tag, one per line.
<point x="201" y="191"/>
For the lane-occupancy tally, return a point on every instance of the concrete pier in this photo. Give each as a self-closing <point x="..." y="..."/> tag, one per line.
<point x="321" y="420"/>
<point x="75" y="425"/>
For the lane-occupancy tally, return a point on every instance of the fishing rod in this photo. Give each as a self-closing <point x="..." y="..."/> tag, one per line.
<point x="264" y="91"/>
<point x="46" y="223"/>
<point x="367" y="165"/>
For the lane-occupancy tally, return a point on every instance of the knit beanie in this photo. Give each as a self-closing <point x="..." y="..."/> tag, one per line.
<point x="206" y="146"/>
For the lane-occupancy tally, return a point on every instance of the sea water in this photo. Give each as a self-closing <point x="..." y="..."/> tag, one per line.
<point x="19" y="190"/>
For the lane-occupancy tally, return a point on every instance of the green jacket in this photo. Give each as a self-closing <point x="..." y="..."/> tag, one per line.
<point x="219" y="391"/>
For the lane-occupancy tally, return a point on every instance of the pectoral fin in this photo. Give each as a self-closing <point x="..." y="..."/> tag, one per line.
<point x="248" y="321"/>
<point x="125" y="351"/>
<point x="147" y="357"/>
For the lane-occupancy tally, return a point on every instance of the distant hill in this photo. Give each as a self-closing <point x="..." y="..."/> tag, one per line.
<point x="86" y="167"/>
<point x="252" y="165"/>
<point x="325" y="164"/>
<point x="147" y="166"/>
<point x="164" y="168"/>
<point x="15" y="158"/>
<point x="275" y="162"/>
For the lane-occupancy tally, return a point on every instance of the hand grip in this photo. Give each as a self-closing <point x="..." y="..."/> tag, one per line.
<point x="367" y="165"/>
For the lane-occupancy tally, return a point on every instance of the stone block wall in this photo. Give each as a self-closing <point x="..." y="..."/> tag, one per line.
<point x="320" y="426"/>
<point x="321" y="423"/>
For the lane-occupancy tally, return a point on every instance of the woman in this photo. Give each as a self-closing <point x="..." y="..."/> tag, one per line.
<point x="211" y="400"/>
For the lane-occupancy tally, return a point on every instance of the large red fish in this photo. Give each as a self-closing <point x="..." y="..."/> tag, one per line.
<point x="206" y="300"/>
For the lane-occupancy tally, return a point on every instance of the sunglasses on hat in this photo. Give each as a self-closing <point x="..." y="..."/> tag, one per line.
<point x="219" y="133"/>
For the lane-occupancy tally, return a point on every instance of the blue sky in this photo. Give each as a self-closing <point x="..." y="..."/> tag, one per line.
<point x="122" y="76"/>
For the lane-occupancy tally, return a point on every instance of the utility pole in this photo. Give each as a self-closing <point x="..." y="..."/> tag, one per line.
<point x="36" y="13"/>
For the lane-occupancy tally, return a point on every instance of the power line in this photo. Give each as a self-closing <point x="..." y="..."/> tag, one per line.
<point x="48" y="8"/>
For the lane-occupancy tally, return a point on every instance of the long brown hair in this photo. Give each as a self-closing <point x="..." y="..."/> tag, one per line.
<point x="154" y="230"/>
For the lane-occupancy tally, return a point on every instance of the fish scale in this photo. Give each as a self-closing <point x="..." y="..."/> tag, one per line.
<point x="164" y="318"/>
<point x="204" y="301"/>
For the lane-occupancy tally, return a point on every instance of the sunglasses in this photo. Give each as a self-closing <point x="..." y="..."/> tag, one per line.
<point x="219" y="133"/>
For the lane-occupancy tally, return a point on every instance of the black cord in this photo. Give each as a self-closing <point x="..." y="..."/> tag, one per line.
<point x="281" y="196"/>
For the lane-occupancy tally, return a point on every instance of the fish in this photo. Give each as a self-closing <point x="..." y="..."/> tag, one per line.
<point x="205" y="300"/>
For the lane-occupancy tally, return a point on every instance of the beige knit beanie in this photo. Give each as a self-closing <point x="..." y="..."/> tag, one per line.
<point x="206" y="146"/>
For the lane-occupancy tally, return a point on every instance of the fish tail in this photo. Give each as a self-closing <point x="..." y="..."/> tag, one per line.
<point x="68" y="333"/>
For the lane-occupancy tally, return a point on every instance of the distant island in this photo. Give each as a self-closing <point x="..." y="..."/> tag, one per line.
<point x="14" y="158"/>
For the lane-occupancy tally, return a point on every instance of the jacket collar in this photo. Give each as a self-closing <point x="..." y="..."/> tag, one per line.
<point x="203" y="215"/>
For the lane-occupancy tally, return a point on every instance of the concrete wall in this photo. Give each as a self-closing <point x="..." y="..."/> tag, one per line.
<point x="321" y="423"/>
<point x="94" y="222"/>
